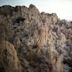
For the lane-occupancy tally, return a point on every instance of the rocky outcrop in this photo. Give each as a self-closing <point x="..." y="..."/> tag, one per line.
<point x="31" y="41"/>
<point x="8" y="58"/>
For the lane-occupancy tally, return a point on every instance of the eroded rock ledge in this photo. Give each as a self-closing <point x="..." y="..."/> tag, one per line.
<point x="31" y="41"/>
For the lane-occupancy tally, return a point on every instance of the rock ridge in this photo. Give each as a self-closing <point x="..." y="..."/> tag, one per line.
<point x="31" y="41"/>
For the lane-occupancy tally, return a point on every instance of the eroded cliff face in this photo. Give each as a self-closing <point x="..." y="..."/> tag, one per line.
<point x="31" y="41"/>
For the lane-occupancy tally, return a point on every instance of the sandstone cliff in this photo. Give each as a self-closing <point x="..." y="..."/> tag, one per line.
<point x="31" y="41"/>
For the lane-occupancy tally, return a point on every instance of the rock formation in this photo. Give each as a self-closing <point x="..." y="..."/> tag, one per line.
<point x="31" y="41"/>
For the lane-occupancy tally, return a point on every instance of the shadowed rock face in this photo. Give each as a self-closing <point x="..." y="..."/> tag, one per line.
<point x="31" y="41"/>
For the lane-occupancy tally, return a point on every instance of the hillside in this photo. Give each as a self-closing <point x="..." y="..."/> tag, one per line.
<point x="31" y="41"/>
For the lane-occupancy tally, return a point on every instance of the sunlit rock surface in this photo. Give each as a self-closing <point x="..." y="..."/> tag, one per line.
<point x="31" y="41"/>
